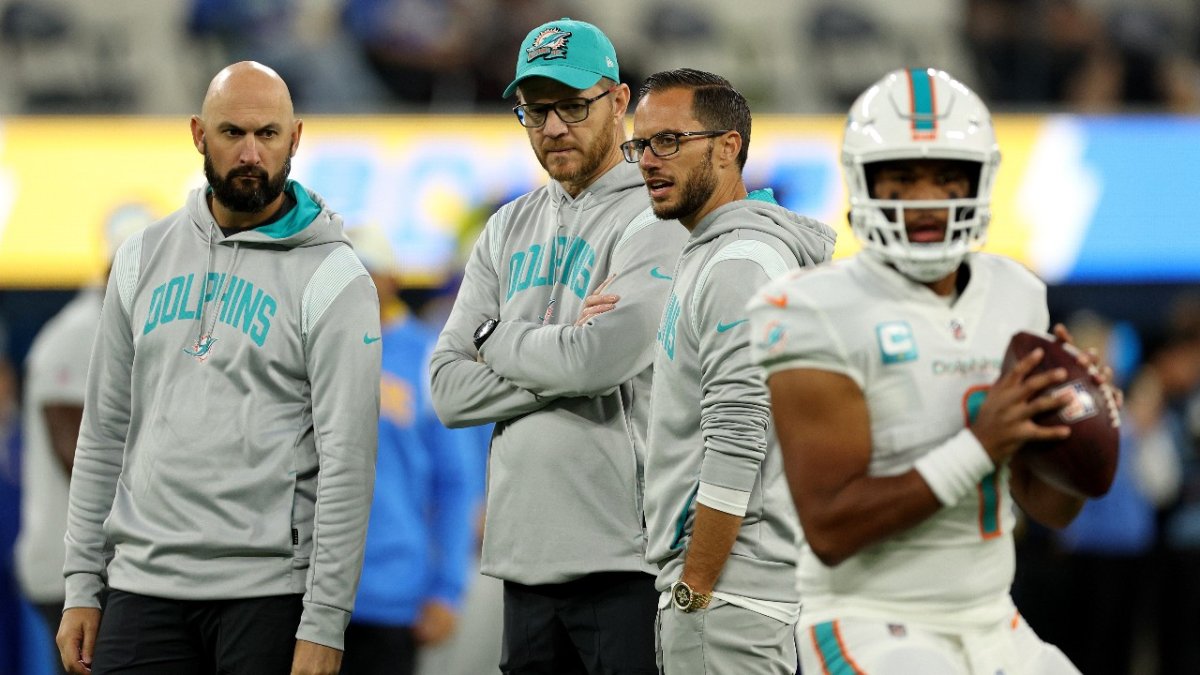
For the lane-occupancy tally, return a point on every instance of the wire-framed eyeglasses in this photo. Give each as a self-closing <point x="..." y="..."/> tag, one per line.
<point x="663" y="144"/>
<point x="570" y="110"/>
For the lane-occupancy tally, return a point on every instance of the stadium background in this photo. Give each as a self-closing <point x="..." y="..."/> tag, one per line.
<point x="1095" y="191"/>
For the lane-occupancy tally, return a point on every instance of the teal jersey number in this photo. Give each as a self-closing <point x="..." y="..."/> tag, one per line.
<point x="989" y="492"/>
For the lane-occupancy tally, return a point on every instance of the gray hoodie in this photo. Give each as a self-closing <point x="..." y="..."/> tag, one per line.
<point x="710" y="412"/>
<point x="565" y="470"/>
<point x="229" y="429"/>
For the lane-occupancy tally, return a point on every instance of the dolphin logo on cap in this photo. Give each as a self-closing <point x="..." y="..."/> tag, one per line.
<point x="549" y="44"/>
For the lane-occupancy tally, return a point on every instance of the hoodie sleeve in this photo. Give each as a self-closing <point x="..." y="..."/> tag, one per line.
<point x="340" y="307"/>
<point x="100" y="451"/>
<point x="465" y="391"/>
<point x="735" y="409"/>
<point x="569" y="360"/>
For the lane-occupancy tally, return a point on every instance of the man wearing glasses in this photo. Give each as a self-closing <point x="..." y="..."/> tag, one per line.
<point x="536" y="344"/>
<point x="722" y="529"/>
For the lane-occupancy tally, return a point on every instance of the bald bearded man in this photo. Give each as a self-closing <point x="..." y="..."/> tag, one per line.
<point x="225" y="462"/>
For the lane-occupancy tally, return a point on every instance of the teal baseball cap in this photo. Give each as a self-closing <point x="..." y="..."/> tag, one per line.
<point x="575" y="53"/>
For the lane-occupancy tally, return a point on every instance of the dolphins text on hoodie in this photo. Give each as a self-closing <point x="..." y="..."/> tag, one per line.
<point x="228" y="439"/>
<point x="565" y="470"/>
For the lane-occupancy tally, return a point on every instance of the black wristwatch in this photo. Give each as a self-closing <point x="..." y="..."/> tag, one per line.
<point x="687" y="600"/>
<point x="484" y="332"/>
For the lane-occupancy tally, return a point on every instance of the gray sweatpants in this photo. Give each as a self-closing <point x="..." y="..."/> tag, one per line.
<point x="723" y="639"/>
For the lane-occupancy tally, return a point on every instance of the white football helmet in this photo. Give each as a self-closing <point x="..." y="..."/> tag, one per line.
<point x="919" y="113"/>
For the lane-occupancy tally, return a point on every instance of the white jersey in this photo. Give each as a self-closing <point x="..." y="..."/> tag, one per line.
<point x="924" y="364"/>
<point x="56" y="373"/>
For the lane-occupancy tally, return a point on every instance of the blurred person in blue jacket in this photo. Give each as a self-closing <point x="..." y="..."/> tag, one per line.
<point x="1172" y="378"/>
<point x="10" y="614"/>
<point x="422" y="530"/>
<point x="56" y="369"/>
<point x="418" y="49"/>
<point x="1110" y="545"/>
<point x="302" y="41"/>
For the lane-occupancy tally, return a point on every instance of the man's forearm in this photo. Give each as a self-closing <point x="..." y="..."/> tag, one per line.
<point x="713" y="535"/>
<point x="467" y="393"/>
<point x="568" y="360"/>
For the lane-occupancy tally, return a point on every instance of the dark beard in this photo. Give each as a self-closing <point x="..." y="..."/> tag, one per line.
<point x="246" y="199"/>
<point x="701" y="182"/>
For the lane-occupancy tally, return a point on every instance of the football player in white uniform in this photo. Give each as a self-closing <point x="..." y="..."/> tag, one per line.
<point x="899" y="434"/>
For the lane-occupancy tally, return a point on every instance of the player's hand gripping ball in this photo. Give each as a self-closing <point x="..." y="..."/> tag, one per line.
<point x="1084" y="463"/>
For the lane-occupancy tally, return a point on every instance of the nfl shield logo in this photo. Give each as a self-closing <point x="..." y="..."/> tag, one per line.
<point x="956" y="328"/>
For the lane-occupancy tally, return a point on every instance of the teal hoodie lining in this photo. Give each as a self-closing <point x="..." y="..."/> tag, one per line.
<point x="764" y="195"/>
<point x="298" y="218"/>
<point x="305" y="211"/>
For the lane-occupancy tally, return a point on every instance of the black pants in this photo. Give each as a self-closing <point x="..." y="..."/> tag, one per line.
<point x="142" y="635"/>
<point x="1106" y="609"/>
<point x="379" y="650"/>
<point x="1179" y="610"/>
<point x="601" y="624"/>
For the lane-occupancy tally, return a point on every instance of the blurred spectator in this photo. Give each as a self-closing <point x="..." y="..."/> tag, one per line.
<point x="852" y="49"/>
<point x="1138" y="65"/>
<point x="1028" y="51"/>
<point x="1172" y="389"/>
<point x="853" y="42"/>
<point x="498" y="29"/>
<point x="1089" y="56"/>
<point x="77" y="57"/>
<point x="1109" y="580"/>
<point x="427" y="497"/>
<point x="59" y="64"/>
<point x="8" y="391"/>
<point x="243" y="28"/>
<point x="419" y="49"/>
<point x="475" y="647"/>
<point x="10" y="606"/>
<point x="303" y="41"/>
<point x="55" y="378"/>
<point x="355" y="56"/>
<point x="55" y="375"/>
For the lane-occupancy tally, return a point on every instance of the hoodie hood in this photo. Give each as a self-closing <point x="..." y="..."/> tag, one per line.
<point x="308" y="223"/>
<point x="615" y="182"/>
<point x="810" y="240"/>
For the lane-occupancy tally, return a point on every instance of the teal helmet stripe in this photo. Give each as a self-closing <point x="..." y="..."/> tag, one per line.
<point x="921" y="85"/>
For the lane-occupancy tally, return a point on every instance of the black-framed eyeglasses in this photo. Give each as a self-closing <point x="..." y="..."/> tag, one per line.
<point x="569" y="110"/>
<point x="663" y="144"/>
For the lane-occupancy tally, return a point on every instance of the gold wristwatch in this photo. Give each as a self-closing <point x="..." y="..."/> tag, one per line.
<point x="687" y="600"/>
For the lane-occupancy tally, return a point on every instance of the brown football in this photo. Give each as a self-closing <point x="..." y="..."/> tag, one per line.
<point x="1084" y="463"/>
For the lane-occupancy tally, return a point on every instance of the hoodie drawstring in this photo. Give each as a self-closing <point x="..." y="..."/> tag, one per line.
<point x="204" y="338"/>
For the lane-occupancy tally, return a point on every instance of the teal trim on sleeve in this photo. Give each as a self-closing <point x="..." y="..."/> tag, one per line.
<point x="297" y="219"/>
<point x="764" y="195"/>
<point x="833" y="658"/>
